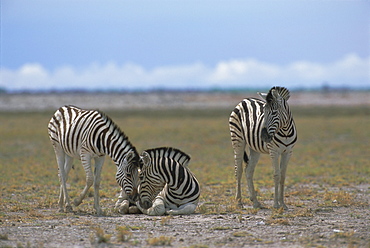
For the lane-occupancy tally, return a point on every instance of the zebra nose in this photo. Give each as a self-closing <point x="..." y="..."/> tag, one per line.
<point x="133" y="196"/>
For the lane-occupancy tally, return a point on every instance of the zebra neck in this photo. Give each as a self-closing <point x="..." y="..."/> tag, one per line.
<point x="117" y="146"/>
<point x="289" y="129"/>
<point x="178" y="175"/>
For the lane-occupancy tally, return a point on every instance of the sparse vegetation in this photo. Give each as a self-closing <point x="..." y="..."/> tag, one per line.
<point x="124" y="233"/>
<point x="4" y="236"/>
<point x="165" y="220"/>
<point x="330" y="157"/>
<point x="100" y="236"/>
<point x="160" y="241"/>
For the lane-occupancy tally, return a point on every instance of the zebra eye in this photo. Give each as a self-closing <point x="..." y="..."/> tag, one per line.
<point x="128" y="174"/>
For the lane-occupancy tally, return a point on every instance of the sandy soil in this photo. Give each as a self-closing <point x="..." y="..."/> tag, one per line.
<point x="312" y="224"/>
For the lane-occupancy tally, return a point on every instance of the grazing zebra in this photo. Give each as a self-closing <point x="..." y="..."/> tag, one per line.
<point x="126" y="204"/>
<point x="86" y="135"/>
<point x="167" y="185"/>
<point x="264" y="127"/>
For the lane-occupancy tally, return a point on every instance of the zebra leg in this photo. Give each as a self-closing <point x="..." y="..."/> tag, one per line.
<point x="254" y="157"/>
<point x="283" y="167"/>
<point x="86" y="163"/>
<point x="67" y="168"/>
<point x="97" y="178"/>
<point x="158" y="207"/>
<point x="64" y="166"/>
<point x="188" y="208"/>
<point x="239" y="147"/>
<point x="277" y="176"/>
<point x="122" y="204"/>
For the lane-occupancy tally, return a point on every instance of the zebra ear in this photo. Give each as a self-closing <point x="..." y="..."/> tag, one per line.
<point x="145" y="158"/>
<point x="262" y="95"/>
<point x="130" y="155"/>
<point x="276" y="95"/>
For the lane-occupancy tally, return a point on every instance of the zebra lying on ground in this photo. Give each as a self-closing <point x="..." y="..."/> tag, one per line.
<point x="166" y="184"/>
<point x="86" y="135"/>
<point x="263" y="127"/>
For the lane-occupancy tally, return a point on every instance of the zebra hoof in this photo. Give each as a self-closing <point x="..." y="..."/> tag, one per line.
<point x="123" y="207"/>
<point x="134" y="210"/>
<point x="99" y="213"/>
<point x="77" y="202"/>
<point x="69" y="209"/>
<point x="283" y="206"/>
<point x="257" y="205"/>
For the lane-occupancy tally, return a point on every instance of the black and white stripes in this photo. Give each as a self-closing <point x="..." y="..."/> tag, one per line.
<point x="263" y="127"/>
<point x="167" y="185"/>
<point x="86" y="135"/>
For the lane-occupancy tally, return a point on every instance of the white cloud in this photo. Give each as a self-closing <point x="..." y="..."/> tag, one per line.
<point x="242" y="70"/>
<point x="351" y="70"/>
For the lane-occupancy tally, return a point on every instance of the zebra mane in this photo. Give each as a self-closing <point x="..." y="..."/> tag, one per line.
<point x="170" y="152"/>
<point x="113" y="126"/>
<point x="282" y="91"/>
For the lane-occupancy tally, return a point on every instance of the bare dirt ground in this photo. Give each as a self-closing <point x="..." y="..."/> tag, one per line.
<point x="311" y="223"/>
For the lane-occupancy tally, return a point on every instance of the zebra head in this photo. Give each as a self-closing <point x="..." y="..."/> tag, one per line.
<point x="276" y="111"/>
<point x="150" y="182"/>
<point x="127" y="175"/>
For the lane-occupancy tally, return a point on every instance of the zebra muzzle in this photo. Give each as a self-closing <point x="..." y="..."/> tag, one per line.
<point x="134" y="196"/>
<point x="146" y="204"/>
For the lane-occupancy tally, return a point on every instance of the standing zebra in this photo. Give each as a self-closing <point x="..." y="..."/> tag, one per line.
<point x="166" y="183"/>
<point x="86" y="135"/>
<point x="265" y="127"/>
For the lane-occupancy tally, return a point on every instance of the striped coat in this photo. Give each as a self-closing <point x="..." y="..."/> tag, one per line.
<point x="166" y="183"/>
<point x="263" y="126"/>
<point x="87" y="135"/>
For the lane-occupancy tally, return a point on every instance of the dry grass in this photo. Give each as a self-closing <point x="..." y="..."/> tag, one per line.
<point x="329" y="162"/>
<point x="331" y="151"/>
<point x="160" y="241"/>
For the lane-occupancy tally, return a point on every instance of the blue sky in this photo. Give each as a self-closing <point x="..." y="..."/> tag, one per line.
<point x="184" y="44"/>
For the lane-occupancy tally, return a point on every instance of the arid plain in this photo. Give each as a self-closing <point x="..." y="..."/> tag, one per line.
<point x="327" y="187"/>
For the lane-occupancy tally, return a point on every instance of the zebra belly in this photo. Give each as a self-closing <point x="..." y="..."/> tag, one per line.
<point x="261" y="149"/>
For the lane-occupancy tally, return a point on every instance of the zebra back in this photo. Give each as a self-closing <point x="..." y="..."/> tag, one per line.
<point x="171" y="153"/>
<point x="71" y="127"/>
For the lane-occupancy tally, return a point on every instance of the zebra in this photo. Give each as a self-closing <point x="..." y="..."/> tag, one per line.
<point x="86" y="135"/>
<point x="124" y="203"/>
<point x="264" y="127"/>
<point x="166" y="184"/>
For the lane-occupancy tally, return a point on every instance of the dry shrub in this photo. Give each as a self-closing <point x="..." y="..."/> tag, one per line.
<point x="165" y="220"/>
<point x="100" y="236"/>
<point x="160" y="241"/>
<point x="241" y="234"/>
<point x="340" y="198"/>
<point x="277" y="218"/>
<point x="124" y="233"/>
<point x="303" y="212"/>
